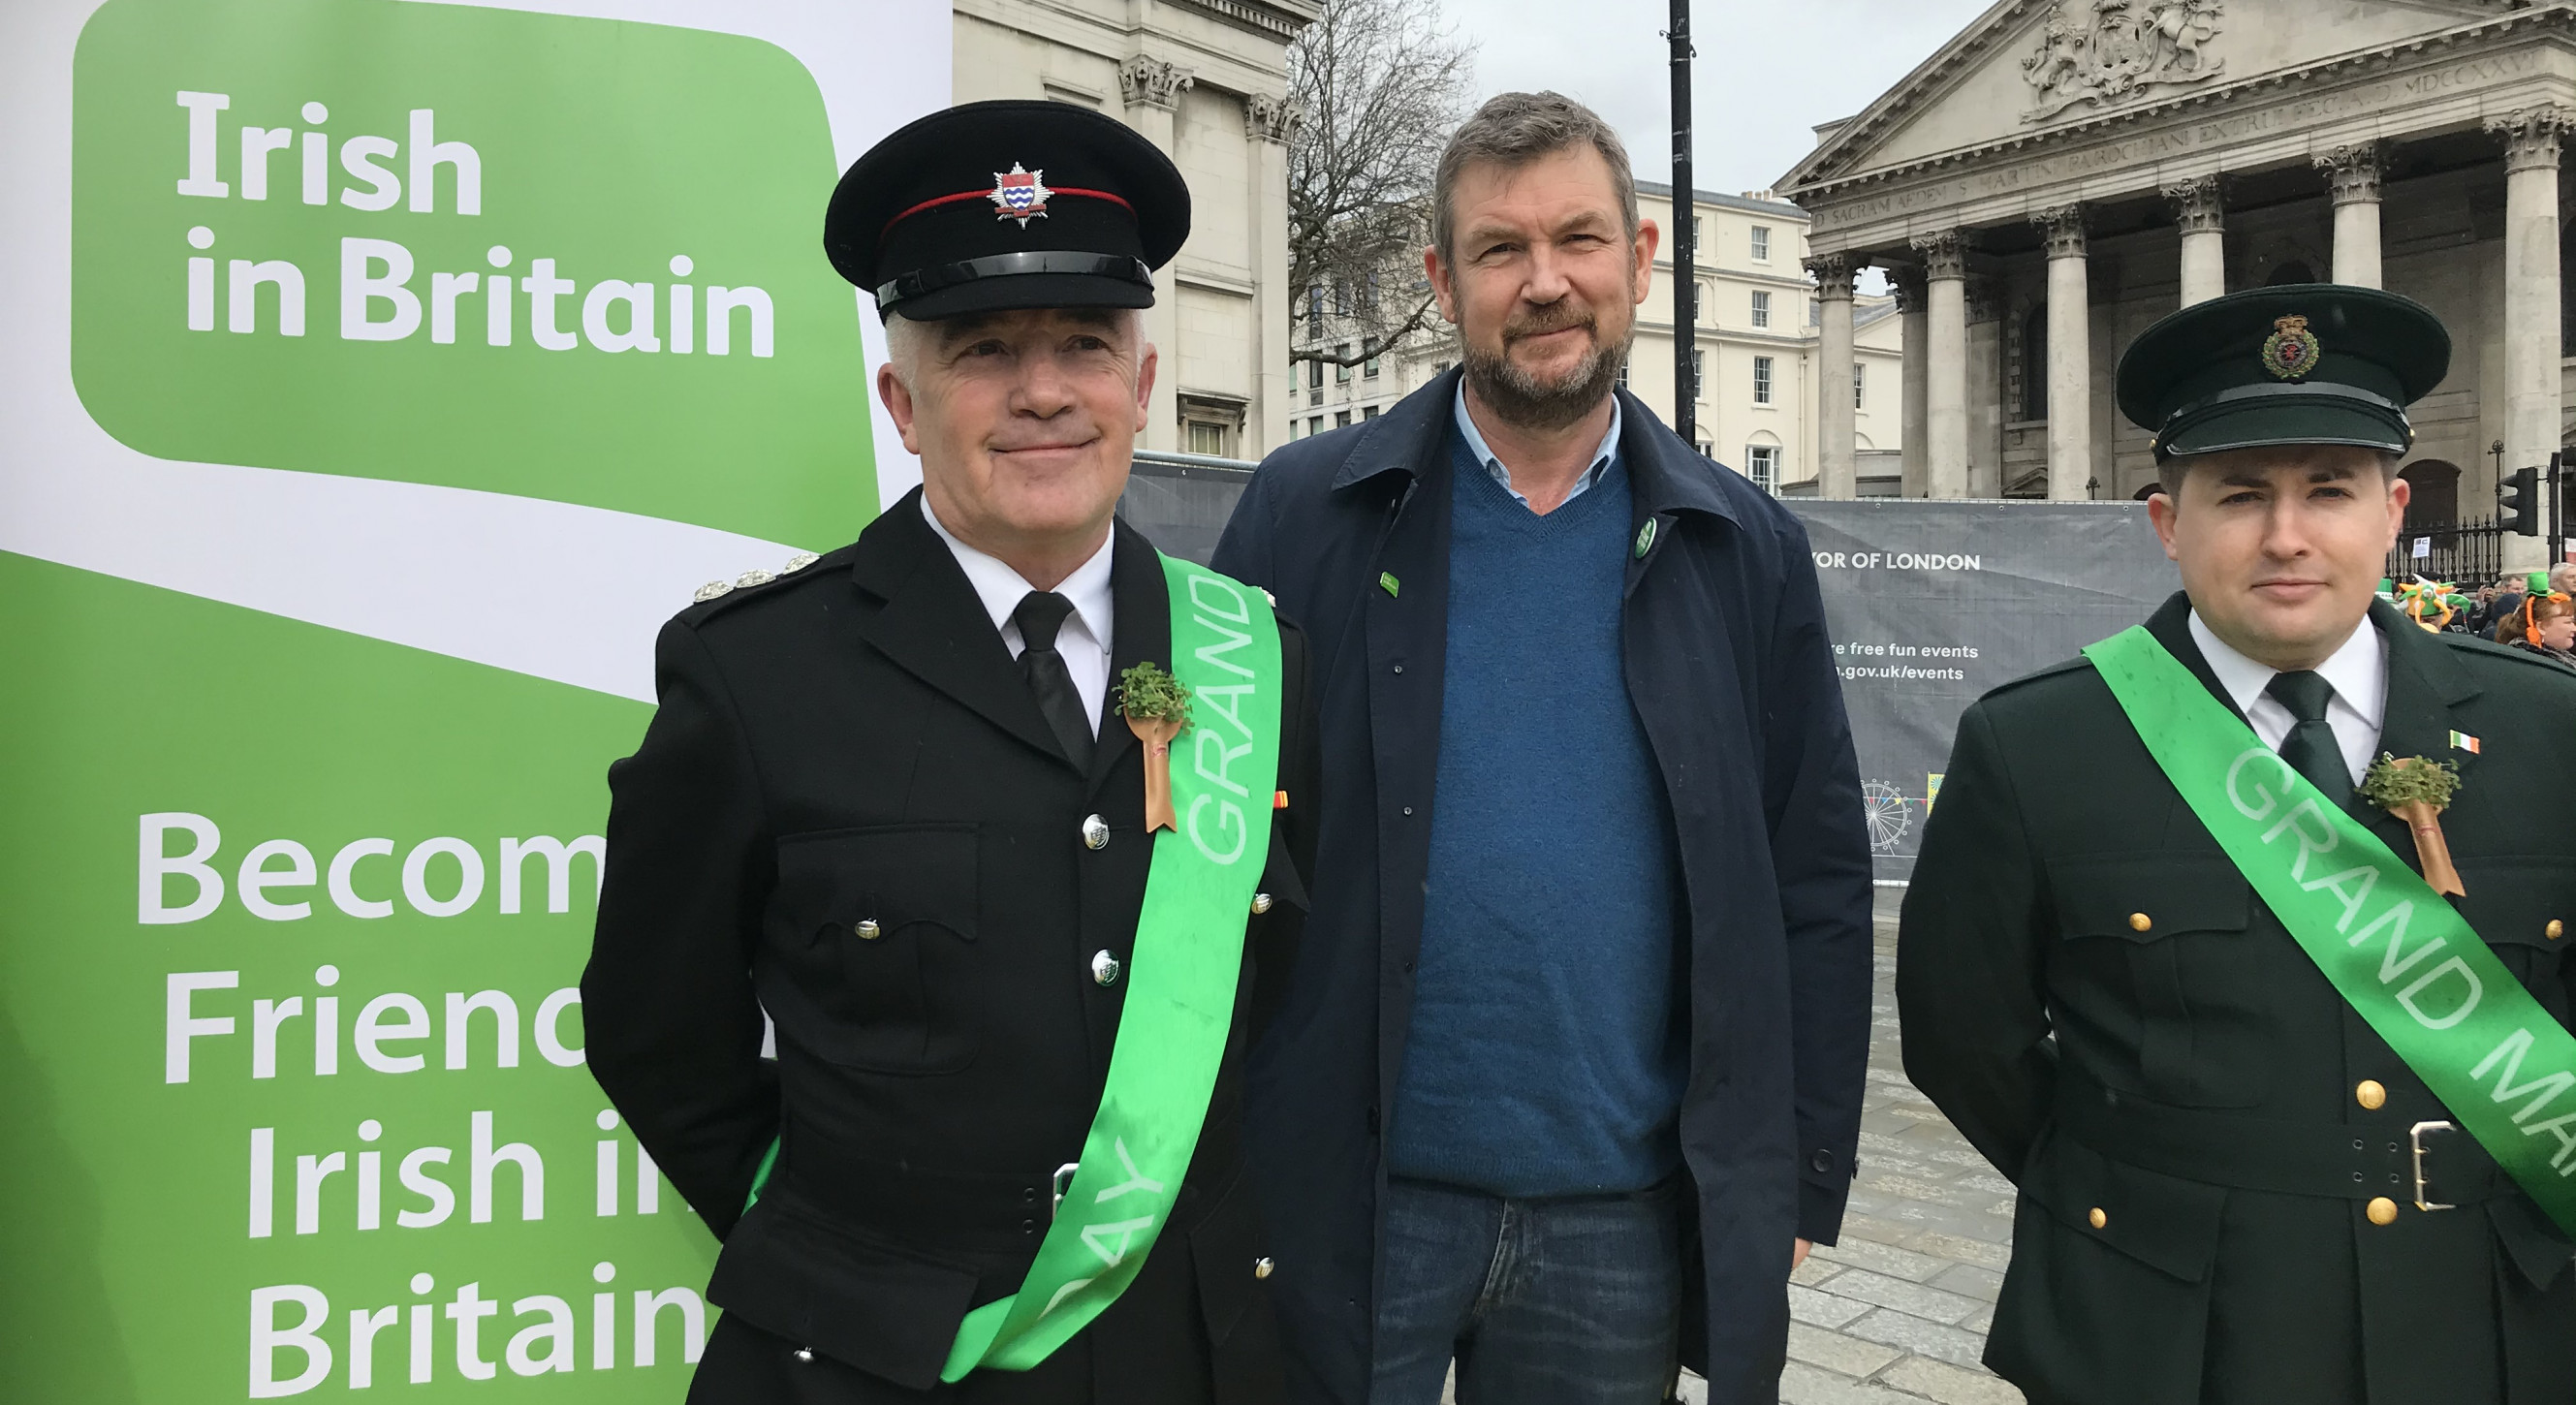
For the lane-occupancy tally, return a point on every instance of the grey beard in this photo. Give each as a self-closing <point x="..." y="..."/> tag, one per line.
<point x="1529" y="403"/>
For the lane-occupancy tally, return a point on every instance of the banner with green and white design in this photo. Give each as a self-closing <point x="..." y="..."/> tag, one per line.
<point x="375" y="377"/>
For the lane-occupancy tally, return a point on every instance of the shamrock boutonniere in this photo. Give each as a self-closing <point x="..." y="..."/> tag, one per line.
<point x="1157" y="708"/>
<point x="2417" y="789"/>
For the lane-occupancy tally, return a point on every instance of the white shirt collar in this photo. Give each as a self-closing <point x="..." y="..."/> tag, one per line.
<point x="1484" y="453"/>
<point x="2358" y="671"/>
<point x="1001" y="588"/>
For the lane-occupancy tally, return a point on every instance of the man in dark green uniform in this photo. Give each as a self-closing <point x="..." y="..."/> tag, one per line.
<point x="2121" y="969"/>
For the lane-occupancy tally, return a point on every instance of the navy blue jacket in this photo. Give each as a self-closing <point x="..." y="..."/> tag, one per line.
<point x="1731" y="672"/>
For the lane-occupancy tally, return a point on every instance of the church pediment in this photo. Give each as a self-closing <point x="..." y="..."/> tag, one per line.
<point x="2030" y="67"/>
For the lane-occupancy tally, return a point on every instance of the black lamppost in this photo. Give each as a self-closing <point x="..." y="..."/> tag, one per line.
<point x="1685" y="237"/>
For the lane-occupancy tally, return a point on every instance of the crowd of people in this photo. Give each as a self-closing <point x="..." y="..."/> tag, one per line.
<point x="2532" y="611"/>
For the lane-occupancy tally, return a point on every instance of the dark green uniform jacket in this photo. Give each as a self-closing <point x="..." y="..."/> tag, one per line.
<point x="2094" y="995"/>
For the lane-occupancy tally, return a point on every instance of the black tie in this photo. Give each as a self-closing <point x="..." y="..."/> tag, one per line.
<point x="1040" y="614"/>
<point x="2311" y="748"/>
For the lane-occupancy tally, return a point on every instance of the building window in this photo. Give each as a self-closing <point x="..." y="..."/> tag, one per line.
<point x="1699" y="232"/>
<point x="1369" y="295"/>
<point x="1699" y="375"/>
<point x="1623" y="375"/>
<point x="1761" y="380"/>
<point x="1316" y="425"/>
<point x="1315" y="304"/>
<point x="1369" y="414"/>
<point x="1762" y="465"/>
<point x="1762" y="243"/>
<point x="1369" y="371"/>
<point x="1342" y="366"/>
<point x="1341" y="418"/>
<point x="1342" y="296"/>
<point x="1314" y="382"/>
<point x="1206" y="438"/>
<point x="1860" y="386"/>
<point x="1761" y="309"/>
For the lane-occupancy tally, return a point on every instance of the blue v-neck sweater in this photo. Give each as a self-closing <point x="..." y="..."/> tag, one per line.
<point x="1545" y="1055"/>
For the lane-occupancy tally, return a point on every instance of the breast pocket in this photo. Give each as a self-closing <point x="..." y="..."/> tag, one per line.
<point x="2165" y="968"/>
<point x="872" y="940"/>
<point x="2525" y="908"/>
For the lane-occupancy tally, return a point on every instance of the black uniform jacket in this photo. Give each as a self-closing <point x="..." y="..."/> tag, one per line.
<point x="2093" y="993"/>
<point x="854" y="742"/>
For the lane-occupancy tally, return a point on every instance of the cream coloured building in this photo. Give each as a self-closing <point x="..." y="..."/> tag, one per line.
<point x="1207" y="81"/>
<point x="2064" y="172"/>
<point x="1757" y="337"/>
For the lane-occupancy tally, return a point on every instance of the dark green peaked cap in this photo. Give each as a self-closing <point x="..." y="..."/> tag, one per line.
<point x="2305" y="363"/>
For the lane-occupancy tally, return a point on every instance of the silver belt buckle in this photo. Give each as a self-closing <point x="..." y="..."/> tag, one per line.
<point x="2415" y="1143"/>
<point x="1064" y="1182"/>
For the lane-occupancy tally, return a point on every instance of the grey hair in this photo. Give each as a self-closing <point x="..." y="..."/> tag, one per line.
<point x="1515" y="129"/>
<point x="907" y="339"/>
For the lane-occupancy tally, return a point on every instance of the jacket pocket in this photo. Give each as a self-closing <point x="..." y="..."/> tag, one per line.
<point x="789" y="1270"/>
<point x="1243" y="1337"/>
<point x="2167" y="1223"/>
<point x="2166" y="960"/>
<point x="2514" y="903"/>
<point x="873" y="937"/>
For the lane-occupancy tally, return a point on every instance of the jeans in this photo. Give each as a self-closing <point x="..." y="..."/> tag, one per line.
<point x="1570" y="1301"/>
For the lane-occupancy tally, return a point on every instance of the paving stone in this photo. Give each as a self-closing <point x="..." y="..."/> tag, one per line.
<point x="1836" y="1352"/>
<point x="1815" y="1271"/>
<point x="1861" y="1225"/>
<point x="1975" y="1282"/>
<point x="1951" y="1385"/>
<point x="1914" y="1299"/>
<point x="1821" y="1309"/>
<point x="1887" y="1259"/>
<point x="1922" y="1338"/>
<point x="1802" y="1384"/>
<point x="1981" y="1322"/>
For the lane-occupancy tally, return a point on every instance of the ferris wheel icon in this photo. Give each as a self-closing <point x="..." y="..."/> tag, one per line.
<point x="1889" y="812"/>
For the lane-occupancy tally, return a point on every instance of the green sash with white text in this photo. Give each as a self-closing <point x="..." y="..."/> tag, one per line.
<point x="1181" y="977"/>
<point x="2398" y="953"/>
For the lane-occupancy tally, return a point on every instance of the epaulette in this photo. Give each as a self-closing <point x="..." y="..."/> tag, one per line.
<point x="720" y="595"/>
<point x="2073" y="665"/>
<point x="2489" y="649"/>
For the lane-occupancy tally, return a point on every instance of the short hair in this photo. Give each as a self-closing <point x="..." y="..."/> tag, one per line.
<point x="907" y="339"/>
<point x="2549" y="606"/>
<point x="1515" y="129"/>
<point x="2170" y="473"/>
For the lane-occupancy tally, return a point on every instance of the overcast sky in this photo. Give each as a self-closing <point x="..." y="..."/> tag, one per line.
<point x="1767" y="73"/>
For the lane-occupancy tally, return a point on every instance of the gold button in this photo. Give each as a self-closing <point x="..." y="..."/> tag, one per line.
<point x="2381" y="1211"/>
<point x="1262" y="1267"/>
<point x="2370" y="1094"/>
<point x="2098" y="1219"/>
<point x="2139" y="922"/>
<point x="868" y="929"/>
<point x="2555" y="929"/>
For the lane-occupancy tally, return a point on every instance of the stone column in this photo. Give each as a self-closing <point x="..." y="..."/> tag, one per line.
<point x="1837" y="467"/>
<point x="1153" y="91"/>
<point x="2531" y="292"/>
<point x="2352" y="173"/>
<point x="1908" y="286"/>
<point x="1945" y="263"/>
<point x="1986" y="410"/>
<point x="2203" y="220"/>
<point x="1270" y="123"/>
<point x="2070" y="354"/>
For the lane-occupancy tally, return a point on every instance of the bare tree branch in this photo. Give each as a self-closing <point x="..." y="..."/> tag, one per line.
<point x="1380" y="85"/>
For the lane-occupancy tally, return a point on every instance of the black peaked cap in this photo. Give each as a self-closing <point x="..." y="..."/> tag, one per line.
<point x="999" y="205"/>
<point x="2304" y="363"/>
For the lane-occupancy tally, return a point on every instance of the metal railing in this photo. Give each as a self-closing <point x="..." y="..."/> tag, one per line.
<point x="2467" y="553"/>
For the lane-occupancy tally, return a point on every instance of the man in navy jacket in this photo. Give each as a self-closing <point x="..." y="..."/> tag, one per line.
<point x="1569" y="1073"/>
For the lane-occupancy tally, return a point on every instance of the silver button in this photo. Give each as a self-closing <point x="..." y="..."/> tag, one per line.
<point x="868" y="929"/>
<point x="1260" y="903"/>
<point x="1095" y="832"/>
<point x="804" y="1353"/>
<point x="1262" y="1267"/>
<point x="1104" y="968"/>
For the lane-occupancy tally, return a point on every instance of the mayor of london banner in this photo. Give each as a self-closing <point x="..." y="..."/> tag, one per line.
<point x="376" y="376"/>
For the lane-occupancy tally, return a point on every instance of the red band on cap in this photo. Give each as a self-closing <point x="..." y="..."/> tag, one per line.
<point x="1052" y="192"/>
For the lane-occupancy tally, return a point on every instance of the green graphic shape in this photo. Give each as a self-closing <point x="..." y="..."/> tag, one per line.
<point x="131" y="1267"/>
<point x="608" y="148"/>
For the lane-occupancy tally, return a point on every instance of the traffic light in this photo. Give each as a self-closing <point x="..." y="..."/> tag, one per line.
<point x="2519" y="501"/>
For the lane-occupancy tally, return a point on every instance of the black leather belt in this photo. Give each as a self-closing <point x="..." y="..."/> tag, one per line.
<point x="2432" y="1164"/>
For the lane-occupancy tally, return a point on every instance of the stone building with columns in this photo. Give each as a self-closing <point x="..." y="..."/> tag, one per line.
<point x="2065" y="172"/>
<point x="1207" y="81"/>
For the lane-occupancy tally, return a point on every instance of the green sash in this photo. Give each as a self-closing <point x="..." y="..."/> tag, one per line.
<point x="2388" y="943"/>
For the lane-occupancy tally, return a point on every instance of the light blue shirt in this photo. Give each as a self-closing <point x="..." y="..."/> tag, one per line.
<point x="1484" y="452"/>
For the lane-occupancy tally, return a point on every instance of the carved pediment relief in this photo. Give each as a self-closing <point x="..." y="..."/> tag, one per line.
<point x="2105" y="52"/>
